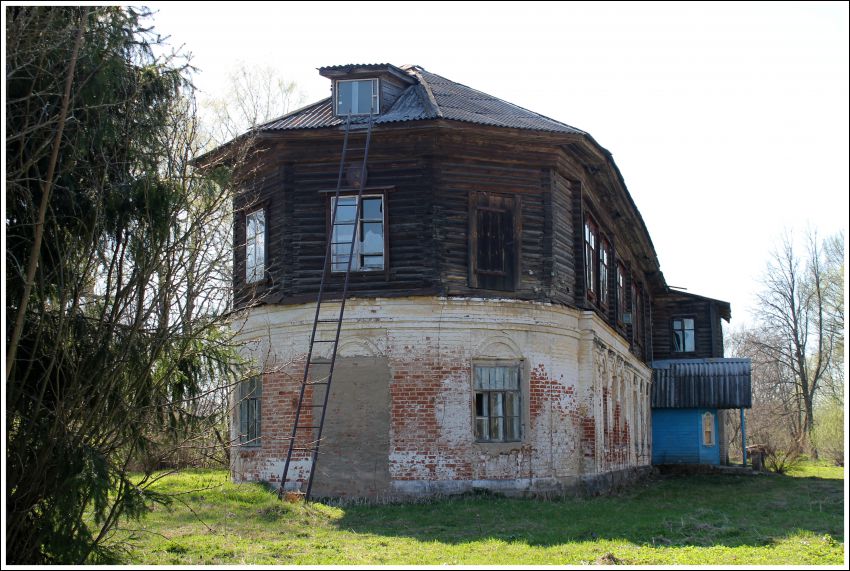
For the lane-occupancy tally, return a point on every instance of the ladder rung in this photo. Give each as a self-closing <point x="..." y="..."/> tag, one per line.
<point x="324" y="340"/>
<point x="345" y="224"/>
<point x="328" y="320"/>
<point x="317" y="383"/>
<point x="306" y="426"/>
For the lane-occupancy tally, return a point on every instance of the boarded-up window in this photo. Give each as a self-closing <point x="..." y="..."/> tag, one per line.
<point x="683" y="335"/>
<point x="497" y="403"/>
<point x="255" y="246"/>
<point x="494" y="241"/>
<point x="708" y="429"/>
<point x="250" y="394"/>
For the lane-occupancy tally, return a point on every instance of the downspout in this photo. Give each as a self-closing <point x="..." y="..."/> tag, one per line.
<point x="743" y="439"/>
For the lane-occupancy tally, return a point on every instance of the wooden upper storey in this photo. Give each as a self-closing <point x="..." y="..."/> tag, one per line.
<point x="468" y="209"/>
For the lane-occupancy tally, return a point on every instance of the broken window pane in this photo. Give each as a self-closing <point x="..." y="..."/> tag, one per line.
<point x="497" y="403"/>
<point x="367" y="234"/>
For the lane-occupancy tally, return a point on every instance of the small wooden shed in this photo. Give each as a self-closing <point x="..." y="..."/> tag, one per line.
<point x="688" y="400"/>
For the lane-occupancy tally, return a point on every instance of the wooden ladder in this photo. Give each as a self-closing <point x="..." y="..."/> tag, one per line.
<point x="325" y="331"/>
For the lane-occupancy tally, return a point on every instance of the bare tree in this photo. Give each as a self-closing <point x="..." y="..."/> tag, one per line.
<point x="255" y="95"/>
<point x="799" y="329"/>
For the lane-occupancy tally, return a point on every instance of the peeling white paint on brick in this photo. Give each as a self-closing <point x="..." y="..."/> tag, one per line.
<point x="570" y="359"/>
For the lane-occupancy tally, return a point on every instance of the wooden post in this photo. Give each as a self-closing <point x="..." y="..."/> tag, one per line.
<point x="743" y="439"/>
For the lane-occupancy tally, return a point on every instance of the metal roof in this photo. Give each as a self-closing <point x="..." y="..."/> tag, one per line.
<point x="697" y="383"/>
<point x="432" y="97"/>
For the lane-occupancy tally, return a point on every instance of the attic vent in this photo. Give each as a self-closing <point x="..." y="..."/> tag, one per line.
<point x="356" y="96"/>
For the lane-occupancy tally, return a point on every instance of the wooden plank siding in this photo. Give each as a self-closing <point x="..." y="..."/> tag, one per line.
<point x="708" y="338"/>
<point x="432" y="179"/>
<point x="457" y="182"/>
<point x="298" y="218"/>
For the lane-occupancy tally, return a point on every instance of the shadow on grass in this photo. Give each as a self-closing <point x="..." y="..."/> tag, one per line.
<point x="707" y="510"/>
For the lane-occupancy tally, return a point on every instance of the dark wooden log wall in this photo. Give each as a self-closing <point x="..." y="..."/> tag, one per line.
<point x="433" y="173"/>
<point x="456" y="179"/>
<point x="708" y="337"/>
<point x="565" y="265"/>
<point x="391" y="88"/>
<point x="298" y="212"/>
<point x="590" y="197"/>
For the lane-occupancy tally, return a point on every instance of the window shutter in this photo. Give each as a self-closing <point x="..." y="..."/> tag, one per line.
<point x="493" y="240"/>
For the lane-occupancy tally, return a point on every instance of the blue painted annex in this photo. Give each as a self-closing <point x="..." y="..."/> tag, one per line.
<point x="679" y="436"/>
<point x="688" y="396"/>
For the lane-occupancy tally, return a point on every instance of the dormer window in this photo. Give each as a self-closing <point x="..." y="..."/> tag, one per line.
<point x="356" y="96"/>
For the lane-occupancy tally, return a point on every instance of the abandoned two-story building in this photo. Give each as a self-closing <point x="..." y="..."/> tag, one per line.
<point x="504" y="308"/>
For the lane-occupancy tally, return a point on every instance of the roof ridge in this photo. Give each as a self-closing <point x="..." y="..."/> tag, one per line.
<point x="432" y="101"/>
<point x="535" y="113"/>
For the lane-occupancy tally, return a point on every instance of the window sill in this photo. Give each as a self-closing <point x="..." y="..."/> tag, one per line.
<point x="497" y="448"/>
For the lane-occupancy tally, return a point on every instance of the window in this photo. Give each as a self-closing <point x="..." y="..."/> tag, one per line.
<point x="250" y="392"/>
<point x="683" y="335"/>
<point x="590" y="232"/>
<point x="637" y="308"/>
<point x="497" y="403"/>
<point x="708" y="429"/>
<point x="367" y="233"/>
<point x="603" y="272"/>
<point x="621" y="293"/>
<point x="494" y="243"/>
<point x="255" y="246"/>
<point x="357" y="96"/>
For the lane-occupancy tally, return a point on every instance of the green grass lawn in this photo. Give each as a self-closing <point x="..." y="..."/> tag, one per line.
<point x="697" y="520"/>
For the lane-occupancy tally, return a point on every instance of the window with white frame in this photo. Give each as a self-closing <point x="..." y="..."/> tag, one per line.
<point x="367" y="232"/>
<point x="590" y="233"/>
<point x="497" y="402"/>
<point x="356" y="96"/>
<point x="255" y="246"/>
<point x="708" y="429"/>
<point x="250" y="393"/>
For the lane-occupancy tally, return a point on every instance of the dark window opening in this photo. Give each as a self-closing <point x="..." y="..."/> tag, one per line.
<point x="250" y="393"/>
<point x="604" y="264"/>
<point x="494" y="247"/>
<point x="621" y="294"/>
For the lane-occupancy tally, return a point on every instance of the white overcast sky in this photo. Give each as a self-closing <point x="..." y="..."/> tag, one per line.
<point x="729" y="121"/>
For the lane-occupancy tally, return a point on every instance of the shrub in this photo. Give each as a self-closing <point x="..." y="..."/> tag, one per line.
<point x="828" y="435"/>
